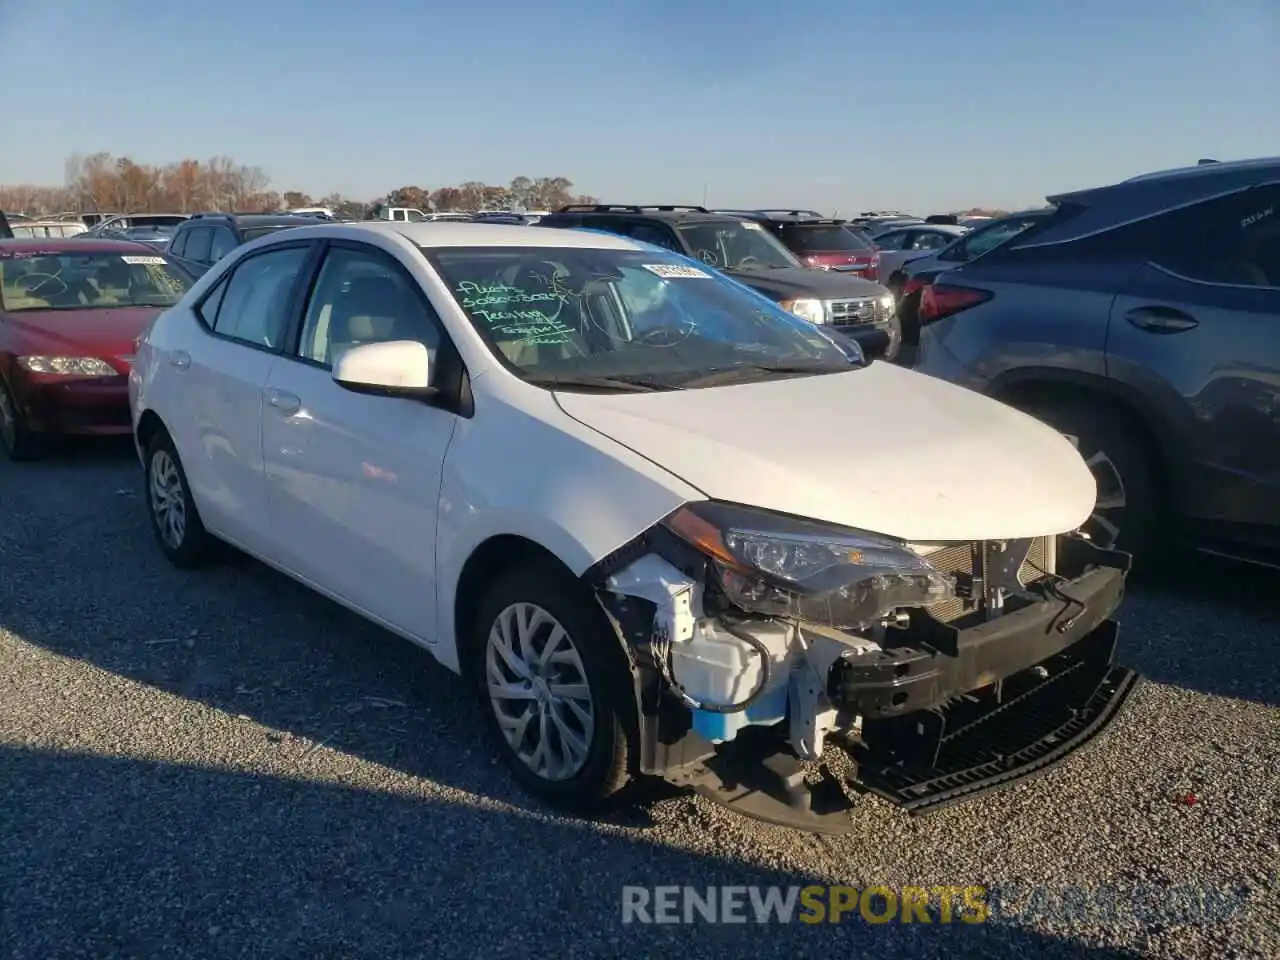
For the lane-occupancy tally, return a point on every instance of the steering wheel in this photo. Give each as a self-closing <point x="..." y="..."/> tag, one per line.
<point x="21" y="282"/>
<point x="665" y="336"/>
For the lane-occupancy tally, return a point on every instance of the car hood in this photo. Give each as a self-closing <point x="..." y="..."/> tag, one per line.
<point x="878" y="448"/>
<point x="794" y="283"/>
<point x="106" y="333"/>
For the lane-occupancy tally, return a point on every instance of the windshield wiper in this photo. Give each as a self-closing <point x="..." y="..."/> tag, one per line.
<point x="620" y="383"/>
<point x="741" y="370"/>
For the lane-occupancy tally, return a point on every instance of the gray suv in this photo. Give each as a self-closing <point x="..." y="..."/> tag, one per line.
<point x="1143" y="320"/>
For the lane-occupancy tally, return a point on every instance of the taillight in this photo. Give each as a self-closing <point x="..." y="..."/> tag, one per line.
<point x="873" y="269"/>
<point x="937" y="301"/>
<point x="914" y="285"/>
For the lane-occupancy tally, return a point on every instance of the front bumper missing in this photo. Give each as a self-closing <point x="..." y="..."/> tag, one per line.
<point x="945" y="714"/>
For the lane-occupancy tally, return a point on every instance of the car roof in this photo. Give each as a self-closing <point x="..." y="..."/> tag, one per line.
<point x="446" y="233"/>
<point x="59" y="245"/>
<point x="1100" y="209"/>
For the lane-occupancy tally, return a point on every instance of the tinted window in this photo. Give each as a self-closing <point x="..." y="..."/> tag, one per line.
<point x="255" y="307"/>
<point x="822" y="239"/>
<point x="224" y="241"/>
<point x="1232" y="240"/>
<point x="197" y="248"/>
<point x="253" y="233"/>
<point x="890" y="241"/>
<point x="988" y="238"/>
<point x="653" y="233"/>
<point x="362" y="297"/>
<point x="931" y="241"/>
<point x="179" y="242"/>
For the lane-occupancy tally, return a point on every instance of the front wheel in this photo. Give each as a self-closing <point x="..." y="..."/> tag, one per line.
<point x="174" y="517"/>
<point x="1128" y="509"/>
<point x="553" y="682"/>
<point x="17" y="441"/>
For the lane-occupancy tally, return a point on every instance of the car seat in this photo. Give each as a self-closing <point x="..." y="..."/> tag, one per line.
<point x="373" y="310"/>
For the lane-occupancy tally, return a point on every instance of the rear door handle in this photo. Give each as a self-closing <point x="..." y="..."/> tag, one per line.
<point x="180" y="359"/>
<point x="1161" y="320"/>
<point x="287" y="403"/>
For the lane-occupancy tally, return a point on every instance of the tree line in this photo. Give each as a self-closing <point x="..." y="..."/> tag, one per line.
<point x="102" y="183"/>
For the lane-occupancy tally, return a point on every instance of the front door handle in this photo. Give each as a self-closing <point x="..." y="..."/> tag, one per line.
<point x="180" y="359"/>
<point x="287" y="403"/>
<point x="1161" y="320"/>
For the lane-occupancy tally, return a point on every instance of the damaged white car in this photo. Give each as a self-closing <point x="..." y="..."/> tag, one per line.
<point x="664" y="527"/>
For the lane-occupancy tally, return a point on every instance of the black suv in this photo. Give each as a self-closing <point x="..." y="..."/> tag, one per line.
<point x="5" y="232"/>
<point x="743" y="249"/>
<point x="205" y="238"/>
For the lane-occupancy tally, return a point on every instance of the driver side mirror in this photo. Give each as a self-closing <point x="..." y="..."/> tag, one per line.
<point x="395" y="368"/>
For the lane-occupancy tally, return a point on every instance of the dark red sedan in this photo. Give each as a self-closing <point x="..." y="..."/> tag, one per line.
<point x="70" y="312"/>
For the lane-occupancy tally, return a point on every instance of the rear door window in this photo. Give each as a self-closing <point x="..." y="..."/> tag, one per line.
<point x="197" y="248"/>
<point x="891" y="241"/>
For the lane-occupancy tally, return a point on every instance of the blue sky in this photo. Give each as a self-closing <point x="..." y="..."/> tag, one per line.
<point x="840" y="105"/>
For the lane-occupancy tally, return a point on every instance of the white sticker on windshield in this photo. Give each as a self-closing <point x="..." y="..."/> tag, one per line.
<point x="673" y="271"/>
<point x="159" y="260"/>
<point x="751" y="225"/>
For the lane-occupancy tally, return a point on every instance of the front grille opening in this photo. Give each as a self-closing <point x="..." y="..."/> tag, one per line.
<point x="961" y="558"/>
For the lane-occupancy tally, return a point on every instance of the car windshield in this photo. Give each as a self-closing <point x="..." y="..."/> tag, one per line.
<point x="88" y="281"/>
<point x="626" y="319"/>
<point x="736" y="245"/>
<point x="824" y="239"/>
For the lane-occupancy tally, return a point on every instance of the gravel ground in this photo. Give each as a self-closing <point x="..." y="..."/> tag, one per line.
<point x="224" y="765"/>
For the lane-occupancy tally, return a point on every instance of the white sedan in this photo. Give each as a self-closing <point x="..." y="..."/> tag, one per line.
<point x="650" y="515"/>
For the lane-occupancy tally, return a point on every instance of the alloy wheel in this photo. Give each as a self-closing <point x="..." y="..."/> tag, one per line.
<point x="1104" y="524"/>
<point x="539" y="692"/>
<point x="168" y="499"/>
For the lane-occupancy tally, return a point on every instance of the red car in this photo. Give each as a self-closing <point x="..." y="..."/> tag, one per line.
<point x="824" y="243"/>
<point x="70" y="313"/>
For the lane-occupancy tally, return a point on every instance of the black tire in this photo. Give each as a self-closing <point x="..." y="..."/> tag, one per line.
<point x="17" y="441"/>
<point x="608" y="765"/>
<point x="1114" y="450"/>
<point x="194" y="546"/>
<point x="909" y="317"/>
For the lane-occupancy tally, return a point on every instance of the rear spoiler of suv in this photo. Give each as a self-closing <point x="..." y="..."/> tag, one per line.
<point x="5" y="232"/>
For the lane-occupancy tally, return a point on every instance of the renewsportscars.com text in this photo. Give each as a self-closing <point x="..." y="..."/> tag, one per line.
<point x="811" y="904"/>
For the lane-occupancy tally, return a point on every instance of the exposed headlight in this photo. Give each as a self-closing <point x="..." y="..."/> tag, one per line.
<point x="789" y="567"/>
<point x="71" y="366"/>
<point x="887" y="301"/>
<point x="815" y="311"/>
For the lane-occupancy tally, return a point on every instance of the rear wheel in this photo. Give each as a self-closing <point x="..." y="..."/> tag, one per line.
<point x="1129" y="508"/>
<point x="16" y="439"/>
<point x="174" y="517"/>
<point x="553" y="682"/>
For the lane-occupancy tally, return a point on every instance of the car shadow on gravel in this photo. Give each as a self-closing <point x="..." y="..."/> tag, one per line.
<point x="127" y="858"/>
<point x="1206" y="624"/>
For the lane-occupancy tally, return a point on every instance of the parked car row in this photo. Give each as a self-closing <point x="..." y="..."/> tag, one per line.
<point x="659" y="523"/>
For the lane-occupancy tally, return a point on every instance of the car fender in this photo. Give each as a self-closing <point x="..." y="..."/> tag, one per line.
<point x="600" y="496"/>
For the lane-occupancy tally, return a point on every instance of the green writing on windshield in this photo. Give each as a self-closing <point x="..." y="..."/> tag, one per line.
<point x="532" y="328"/>
<point x="477" y="295"/>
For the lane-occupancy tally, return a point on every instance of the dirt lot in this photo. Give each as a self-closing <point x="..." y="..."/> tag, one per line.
<point x="223" y="765"/>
